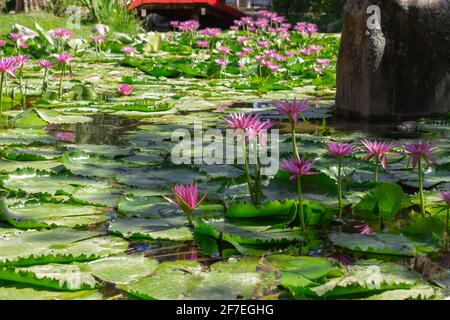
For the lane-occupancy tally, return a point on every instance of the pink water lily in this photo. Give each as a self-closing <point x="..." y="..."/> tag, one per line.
<point x="202" y="44"/>
<point x="15" y="37"/>
<point x="61" y="33"/>
<point x="323" y="62"/>
<point x="445" y="196"/>
<point x="420" y="150"/>
<point x="224" y="50"/>
<point x="378" y="150"/>
<point x="315" y="48"/>
<point x="365" y="230"/>
<point x="45" y="64"/>
<point x="98" y="39"/>
<point x="63" y="58"/>
<point x="221" y="62"/>
<point x="63" y="61"/>
<point x="129" y="51"/>
<point x="125" y="89"/>
<point x="340" y="149"/>
<point x="242" y="121"/>
<point x="8" y="66"/>
<point x="211" y="32"/>
<point x="65" y="136"/>
<point x="298" y="167"/>
<point x="2" y="43"/>
<point x="188" y="26"/>
<point x="293" y="109"/>
<point x="186" y="198"/>
<point x="21" y="61"/>
<point x="318" y="70"/>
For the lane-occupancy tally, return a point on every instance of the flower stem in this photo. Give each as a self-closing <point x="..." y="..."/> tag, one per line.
<point x="446" y="230"/>
<point x="377" y="167"/>
<point x="247" y="173"/>
<point x="294" y="140"/>
<point x="257" y="185"/>
<point x="300" y="202"/>
<point x="1" y="92"/>
<point x="340" y="186"/>
<point x="191" y="224"/>
<point x="422" y="198"/>
<point x="44" y="81"/>
<point x="61" y="80"/>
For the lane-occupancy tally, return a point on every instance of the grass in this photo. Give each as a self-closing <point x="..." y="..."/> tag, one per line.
<point x="46" y="20"/>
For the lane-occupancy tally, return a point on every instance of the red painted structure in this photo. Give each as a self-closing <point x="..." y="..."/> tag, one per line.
<point x="208" y="12"/>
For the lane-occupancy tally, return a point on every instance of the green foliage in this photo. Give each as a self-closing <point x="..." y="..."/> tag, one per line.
<point x="382" y="243"/>
<point x="321" y="11"/>
<point x="174" y="229"/>
<point x="271" y="209"/>
<point x="384" y="201"/>
<point x="61" y="245"/>
<point x="46" y="20"/>
<point x="113" y="14"/>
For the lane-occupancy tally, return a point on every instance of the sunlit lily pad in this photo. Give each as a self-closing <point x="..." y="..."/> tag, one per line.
<point x="38" y="214"/>
<point x="380" y="243"/>
<point x="174" y="228"/>
<point x="24" y="248"/>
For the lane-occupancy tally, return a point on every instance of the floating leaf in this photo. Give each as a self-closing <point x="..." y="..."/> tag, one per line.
<point x="55" y="276"/>
<point x="384" y="201"/>
<point x="40" y="214"/>
<point x="174" y="229"/>
<point x="121" y="269"/>
<point x="380" y="243"/>
<point x="24" y="248"/>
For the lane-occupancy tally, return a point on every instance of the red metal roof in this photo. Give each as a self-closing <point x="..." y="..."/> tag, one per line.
<point x="213" y="3"/>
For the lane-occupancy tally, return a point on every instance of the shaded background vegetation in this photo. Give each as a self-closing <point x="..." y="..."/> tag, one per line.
<point x="110" y="12"/>
<point x="321" y="12"/>
<point x="114" y="13"/>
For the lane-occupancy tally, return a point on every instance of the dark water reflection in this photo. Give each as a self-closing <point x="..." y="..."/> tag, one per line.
<point x="104" y="129"/>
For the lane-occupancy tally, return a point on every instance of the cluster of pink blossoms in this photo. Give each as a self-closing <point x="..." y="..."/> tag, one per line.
<point x="19" y="39"/>
<point x="305" y="27"/>
<point x="8" y="66"/>
<point x="270" y="60"/>
<point x="211" y="32"/>
<point x="129" y="51"/>
<point x="185" y="26"/>
<point x="60" y="33"/>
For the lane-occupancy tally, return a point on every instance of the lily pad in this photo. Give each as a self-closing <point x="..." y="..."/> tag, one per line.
<point x="40" y="214"/>
<point x="18" y="292"/>
<point x="24" y="248"/>
<point x="382" y="243"/>
<point x="121" y="269"/>
<point x="174" y="229"/>
<point x="55" y="276"/>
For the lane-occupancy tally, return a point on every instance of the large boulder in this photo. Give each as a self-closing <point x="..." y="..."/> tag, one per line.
<point x="399" y="69"/>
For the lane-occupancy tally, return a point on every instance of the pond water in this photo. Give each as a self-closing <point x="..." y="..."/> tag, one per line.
<point x="82" y="180"/>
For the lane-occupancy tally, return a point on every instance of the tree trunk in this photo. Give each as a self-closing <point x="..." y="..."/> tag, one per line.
<point x="400" y="69"/>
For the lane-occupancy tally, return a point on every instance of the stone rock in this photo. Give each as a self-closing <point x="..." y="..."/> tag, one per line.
<point x="400" y="69"/>
<point x="335" y="26"/>
<point x="101" y="29"/>
<point x="407" y="126"/>
<point x="27" y="32"/>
